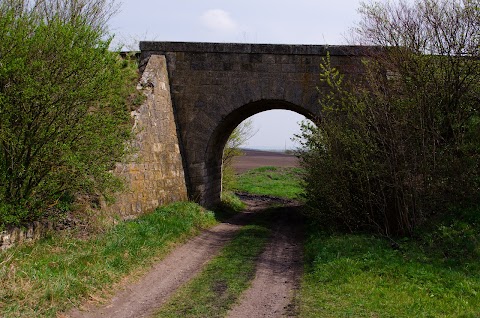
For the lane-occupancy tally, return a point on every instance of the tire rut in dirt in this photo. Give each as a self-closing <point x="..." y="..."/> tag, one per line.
<point x="144" y="297"/>
<point x="279" y="268"/>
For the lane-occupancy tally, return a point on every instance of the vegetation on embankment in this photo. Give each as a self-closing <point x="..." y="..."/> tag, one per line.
<point x="392" y="173"/>
<point x="65" y="103"/>
<point x="62" y="271"/>
<point x="274" y="181"/>
<point x="433" y="274"/>
<point x="399" y="143"/>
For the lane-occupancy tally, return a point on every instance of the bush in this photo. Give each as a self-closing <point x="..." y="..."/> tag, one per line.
<point x="455" y="238"/>
<point x="63" y="114"/>
<point x="402" y="142"/>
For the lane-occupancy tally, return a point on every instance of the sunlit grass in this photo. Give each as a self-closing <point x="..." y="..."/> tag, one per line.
<point x="273" y="181"/>
<point x="62" y="271"/>
<point x="357" y="275"/>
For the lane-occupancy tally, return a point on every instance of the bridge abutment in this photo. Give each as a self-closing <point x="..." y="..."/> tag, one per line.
<point x="154" y="174"/>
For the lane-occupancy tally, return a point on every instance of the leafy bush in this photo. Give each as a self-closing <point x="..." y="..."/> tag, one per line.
<point x="455" y="238"/>
<point x="400" y="142"/>
<point x="63" y="114"/>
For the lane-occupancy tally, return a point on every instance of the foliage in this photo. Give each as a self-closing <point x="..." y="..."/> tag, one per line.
<point x="240" y="135"/>
<point x="273" y="181"/>
<point x="401" y="142"/>
<point x="455" y="238"/>
<point x="63" y="114"/>
<point x="94" y="13"/>
<point x="62" y="271"/>
<point x="363" y="276"/>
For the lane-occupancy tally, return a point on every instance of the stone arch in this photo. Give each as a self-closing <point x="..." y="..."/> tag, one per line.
<point x="197" y="93"/>
<point x="220" y="134"/>
<point x="214" y="86"/>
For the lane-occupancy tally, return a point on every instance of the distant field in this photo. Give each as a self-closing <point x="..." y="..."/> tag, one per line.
<point x="259" y="158"/>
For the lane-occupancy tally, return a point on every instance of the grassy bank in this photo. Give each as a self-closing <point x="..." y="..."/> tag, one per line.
<point x="435" y="274"/>
<point x="225" y="277"/>
<point x="62" y="271"/>
<point x="229" y="206"/>
<point x="274" y="181"/>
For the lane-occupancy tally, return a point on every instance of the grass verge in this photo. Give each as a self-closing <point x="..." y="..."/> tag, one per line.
<point x="59" y="272"/>
<point x="229" y="206"/>
<point x="274" y="181"/>
<point x="435" y="274"/>
<point x="218" y="286"/>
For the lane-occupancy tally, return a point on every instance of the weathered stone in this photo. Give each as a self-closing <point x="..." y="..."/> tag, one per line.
<point x="227" y="83"/>
<point x="157" y="145"/>
<point x="31" y="232"/>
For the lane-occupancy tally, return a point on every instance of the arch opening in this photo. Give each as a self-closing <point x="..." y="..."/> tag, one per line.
<point x="221" y="133"/>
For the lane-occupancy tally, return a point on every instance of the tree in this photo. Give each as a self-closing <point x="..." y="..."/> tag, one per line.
<point x="63" y="114"/>
<point x="240" y="135"/>
<point x="402" y="142"/>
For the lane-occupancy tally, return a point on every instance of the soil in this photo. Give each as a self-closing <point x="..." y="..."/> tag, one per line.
<point x="150" y="292"/>
<point x="270" y="295"/>
<point x="257" y="158"/>
<point x="273" y="290"/>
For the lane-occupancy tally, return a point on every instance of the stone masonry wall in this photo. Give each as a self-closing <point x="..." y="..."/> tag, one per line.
<point x="155" y="174"/>
<point x="215" y="86"/>
<point x="15" y="236"/>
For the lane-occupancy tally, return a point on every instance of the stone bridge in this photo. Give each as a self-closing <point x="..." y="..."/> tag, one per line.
<point x="197" y="93"/>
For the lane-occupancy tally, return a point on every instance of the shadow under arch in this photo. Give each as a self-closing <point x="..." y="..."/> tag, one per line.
<point x="223" y="130"/>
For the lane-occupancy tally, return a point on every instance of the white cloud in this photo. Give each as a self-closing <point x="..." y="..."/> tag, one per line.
<point x="219" y="20"/>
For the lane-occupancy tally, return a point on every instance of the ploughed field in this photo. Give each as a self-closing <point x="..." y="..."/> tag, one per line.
<point x="258" y="158"/>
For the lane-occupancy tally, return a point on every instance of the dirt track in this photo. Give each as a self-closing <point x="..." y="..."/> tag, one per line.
<point x="151" y="291"/>
<point x="278" y="270"/>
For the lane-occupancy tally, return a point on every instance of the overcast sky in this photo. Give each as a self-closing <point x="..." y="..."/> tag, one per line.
<point x="246" y="21"/>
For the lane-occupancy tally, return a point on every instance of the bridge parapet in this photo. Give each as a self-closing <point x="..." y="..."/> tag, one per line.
<point x="285" y="49"/>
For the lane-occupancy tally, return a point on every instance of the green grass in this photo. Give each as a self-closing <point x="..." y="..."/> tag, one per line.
<point x="229" y="206"/>
<point x="59" y="272"/>
<point x="218" y="286"/>
<point x="436" y="274"/>
<point x="274" y="181"/>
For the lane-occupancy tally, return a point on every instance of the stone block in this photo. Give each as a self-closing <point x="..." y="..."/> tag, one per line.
<point x="284" y="59"/>
<point x="289" y="68"/>
<point x="268" y="58"/>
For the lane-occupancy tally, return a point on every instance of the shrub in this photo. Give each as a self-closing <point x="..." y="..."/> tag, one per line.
<point x="401" y="142"/>
<point x="63" y="114"/>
